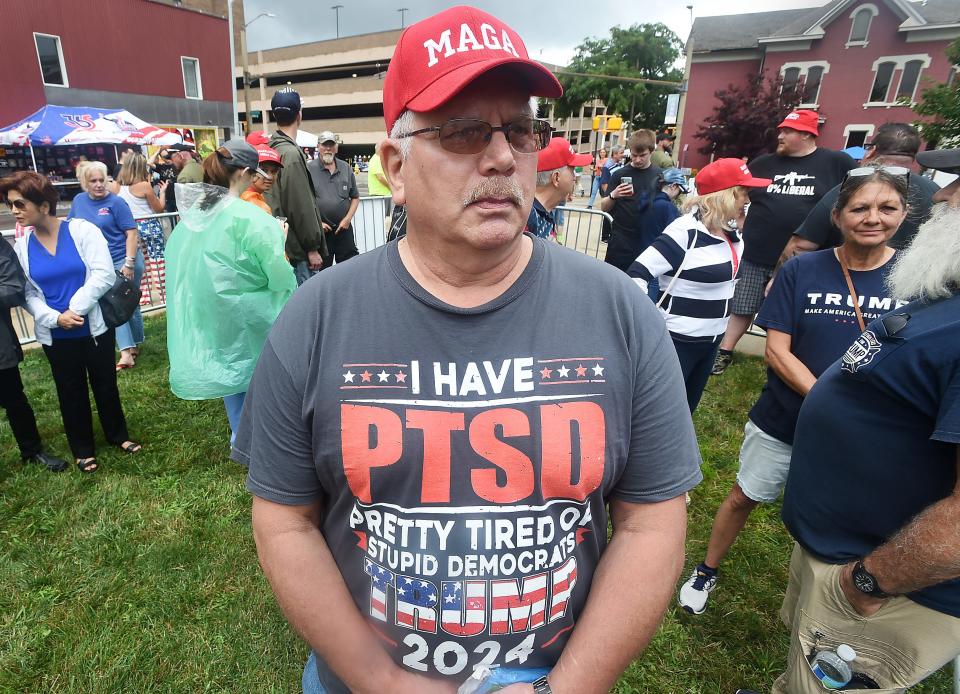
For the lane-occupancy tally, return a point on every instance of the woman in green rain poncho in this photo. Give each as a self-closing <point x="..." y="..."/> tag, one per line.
<point x="227" y="280"/>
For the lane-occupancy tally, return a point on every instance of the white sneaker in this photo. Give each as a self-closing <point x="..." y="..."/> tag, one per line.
<point x="695" y="592"/>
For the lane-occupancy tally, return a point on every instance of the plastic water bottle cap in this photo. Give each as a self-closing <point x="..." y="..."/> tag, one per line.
<point x="847" y="653"/>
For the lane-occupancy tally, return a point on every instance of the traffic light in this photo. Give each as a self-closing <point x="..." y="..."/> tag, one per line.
<point x="614" y="123"/>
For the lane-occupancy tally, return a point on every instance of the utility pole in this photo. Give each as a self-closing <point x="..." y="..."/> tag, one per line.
<point x="336" y="9"/>
<point x="246" y="69"/>
<point x="403" y="11"/>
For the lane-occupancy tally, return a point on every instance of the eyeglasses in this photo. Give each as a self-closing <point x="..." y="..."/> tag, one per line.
<point x="19" y="204"/>
<point x="471" y="135"/>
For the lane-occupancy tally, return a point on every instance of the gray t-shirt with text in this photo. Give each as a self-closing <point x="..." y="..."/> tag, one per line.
<point x="463" y="458"/>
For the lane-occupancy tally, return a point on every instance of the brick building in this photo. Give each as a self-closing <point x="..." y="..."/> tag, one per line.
<point x="857" y="61"/>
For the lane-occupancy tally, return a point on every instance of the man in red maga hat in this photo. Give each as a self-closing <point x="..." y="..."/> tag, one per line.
<point x="438" y="431"/>
<point x="556" y="178"/>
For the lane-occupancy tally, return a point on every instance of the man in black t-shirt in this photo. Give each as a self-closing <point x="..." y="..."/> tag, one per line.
<point x="895" y="144"/>
<point x="631" y="203"/>
<point x="802" y="173"/>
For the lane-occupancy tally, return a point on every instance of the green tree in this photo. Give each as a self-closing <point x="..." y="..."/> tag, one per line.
<point x="648" y="51"/>
<point x="744" y="123"/>
<point x="940" y="106"/>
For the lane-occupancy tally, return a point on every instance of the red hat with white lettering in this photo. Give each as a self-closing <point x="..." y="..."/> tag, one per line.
<point x="560" y="153"/>
<point x="802" y="120"/>
<point x="269" y="155"/>
<point x="437" y="57"/>
<point x="727" y="173"/>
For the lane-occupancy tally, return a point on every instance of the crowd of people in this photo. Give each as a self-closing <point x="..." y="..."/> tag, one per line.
<point x="439" y="431"/>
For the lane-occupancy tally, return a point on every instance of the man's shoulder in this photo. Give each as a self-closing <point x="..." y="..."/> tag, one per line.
<point x="923" y="184"/>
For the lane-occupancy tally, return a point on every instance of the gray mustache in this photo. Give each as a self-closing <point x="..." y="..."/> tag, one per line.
<point x="499" y="187"/>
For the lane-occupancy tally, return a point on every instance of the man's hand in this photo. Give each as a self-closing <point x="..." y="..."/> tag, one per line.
<point x="68" y="320"/>
<point x="521" y="688"/>
<point x="314" y="261"/>
<point x="864" y="605"/>
<point x="127" y="272"/>
<point x="340" y="227"/>
<point x="326" y="227"/>
<point x="624" y="190"/>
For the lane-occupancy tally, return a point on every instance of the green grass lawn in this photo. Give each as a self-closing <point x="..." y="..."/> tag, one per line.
<point x="143" y="576"/>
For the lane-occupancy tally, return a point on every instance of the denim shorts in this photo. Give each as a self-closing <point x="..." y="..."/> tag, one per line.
<point x="764" y="464"/>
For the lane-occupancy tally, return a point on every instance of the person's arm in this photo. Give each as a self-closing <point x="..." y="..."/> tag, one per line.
<point x="12" y="281"/>
<point x="155" y="202"/>
<point x="310" y="590"/>
<point x="608" y="201"/>
<point x="616" y="625"/>
<point x="348" y="218"/>
<point x="923" y="553"/>
<point x="785" y="364"/>
<point x="298" y="202"/>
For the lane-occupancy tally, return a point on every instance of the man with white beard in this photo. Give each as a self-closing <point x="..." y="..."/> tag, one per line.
<point x="872" y="497"/>
<point x="337" y="199"/>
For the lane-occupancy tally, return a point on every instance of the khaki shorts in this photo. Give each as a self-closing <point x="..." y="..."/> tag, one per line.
<point x="900" y="645"/>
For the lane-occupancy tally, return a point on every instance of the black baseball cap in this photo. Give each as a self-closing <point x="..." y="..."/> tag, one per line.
<point x="181" y="147"/>
<point x="285" y="102"/>
<point x="946" y="160"/>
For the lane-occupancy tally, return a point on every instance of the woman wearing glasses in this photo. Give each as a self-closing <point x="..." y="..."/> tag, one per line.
<point x="817" y="307"/>
<point x="227" y="280"/>
<point x="112" y="215"/>
<point x="68" y="268"/>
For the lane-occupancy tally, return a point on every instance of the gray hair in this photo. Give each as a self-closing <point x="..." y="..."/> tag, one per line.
<point x="929" y="268"/>
<point x="406" y="123"/>
<point x="89" y="168"/>
<point x="544" y="177"/>
<point x="616" y="150"/>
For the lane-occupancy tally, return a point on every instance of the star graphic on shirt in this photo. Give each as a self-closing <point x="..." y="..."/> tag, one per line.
<point x="383" y="376"/>
<point x="449" y="598"/>
<point x="348" y="377"/>
<point x="598" y="370"/>
<point x="581" y="370"/>
<point x="401" y="591"/>
<point x="563" y="371"/>
<point x="365" y="376"/>
<point x="545" y="373"/>
<point x="432" y="597"/>
<point x="401" y="377"/>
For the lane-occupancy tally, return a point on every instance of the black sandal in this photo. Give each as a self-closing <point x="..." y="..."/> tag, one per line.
<point x="131" y="447"/>
<point x="87" y="464"/>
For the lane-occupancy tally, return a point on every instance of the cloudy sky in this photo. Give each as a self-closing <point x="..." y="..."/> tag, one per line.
<point x="551" y="29"/>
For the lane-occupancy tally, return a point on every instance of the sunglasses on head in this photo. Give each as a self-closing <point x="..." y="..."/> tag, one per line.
<point x="471" y="135"/>
<point x="870" y="170"/>
<point x="263" y="174"/>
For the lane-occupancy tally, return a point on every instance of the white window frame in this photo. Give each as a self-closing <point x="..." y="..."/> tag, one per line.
<point x="183" y="73"/>
<point x="63" y="63"/>
<point x="804" y="68"/>
<point x="900" y="62"/>
<point x="866" y="7"/>
<point x="858" y="127"/>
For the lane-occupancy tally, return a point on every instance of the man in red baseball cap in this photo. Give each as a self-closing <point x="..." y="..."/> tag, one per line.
<point x="801" y="173"/>
<point x="435" y="428"/>
<point x="556" y="179"/>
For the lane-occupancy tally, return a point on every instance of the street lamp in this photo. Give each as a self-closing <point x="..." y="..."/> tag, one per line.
<point x="246" y="67"/>
<point x="336" y="9"/>
<point x="403" y="15"/>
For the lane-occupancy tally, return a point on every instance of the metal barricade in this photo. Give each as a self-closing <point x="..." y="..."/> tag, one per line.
<point x="370" y="222"/>
<point x="153" y="285"/>
<point x="582" y="229"/>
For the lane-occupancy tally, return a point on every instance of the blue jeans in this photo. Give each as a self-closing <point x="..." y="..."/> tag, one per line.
<point x="234" y="406"/>
<point x="130" y="334"/>
<point x="594" y="189"/>
<point x="696" y="361"/>
<point x="302" y="272"/>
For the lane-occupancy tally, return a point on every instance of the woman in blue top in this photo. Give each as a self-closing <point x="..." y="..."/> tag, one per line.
<point x="68" y="268"/>
<point x="111" y="214"/>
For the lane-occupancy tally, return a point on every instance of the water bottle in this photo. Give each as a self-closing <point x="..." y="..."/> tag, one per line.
<point x="833" y="668"/>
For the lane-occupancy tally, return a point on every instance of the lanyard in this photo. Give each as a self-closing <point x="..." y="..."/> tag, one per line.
<point x="733" y="256"/>
<point x="853" y="292"/>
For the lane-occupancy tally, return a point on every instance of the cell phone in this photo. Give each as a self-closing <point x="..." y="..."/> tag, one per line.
<point x="627" y="180"/>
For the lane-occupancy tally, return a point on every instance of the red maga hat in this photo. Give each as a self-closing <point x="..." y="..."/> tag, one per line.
<point x="258" y="137"/>
<point x="268" y="154"/>
<point x="803" y="120"/>
<point x="560" y="153"/>
<point x="437" y="57"/>
<point x="727" y="173"/>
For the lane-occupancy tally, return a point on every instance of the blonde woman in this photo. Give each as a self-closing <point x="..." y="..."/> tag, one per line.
<point x="112" y="215"/>
<point x="696" y="260"/>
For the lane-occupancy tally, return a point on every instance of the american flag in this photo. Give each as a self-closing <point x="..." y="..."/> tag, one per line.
<point x="417" y="604"/>
<point x="453" y="618"/>
<point x="380" y="580"/>
<point x="516" y="611"/>
<point x="564" y="579"/>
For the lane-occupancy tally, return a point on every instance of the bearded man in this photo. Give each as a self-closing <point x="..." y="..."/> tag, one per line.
<point x="872" y="497"/>
<point x="337" y="198"/>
